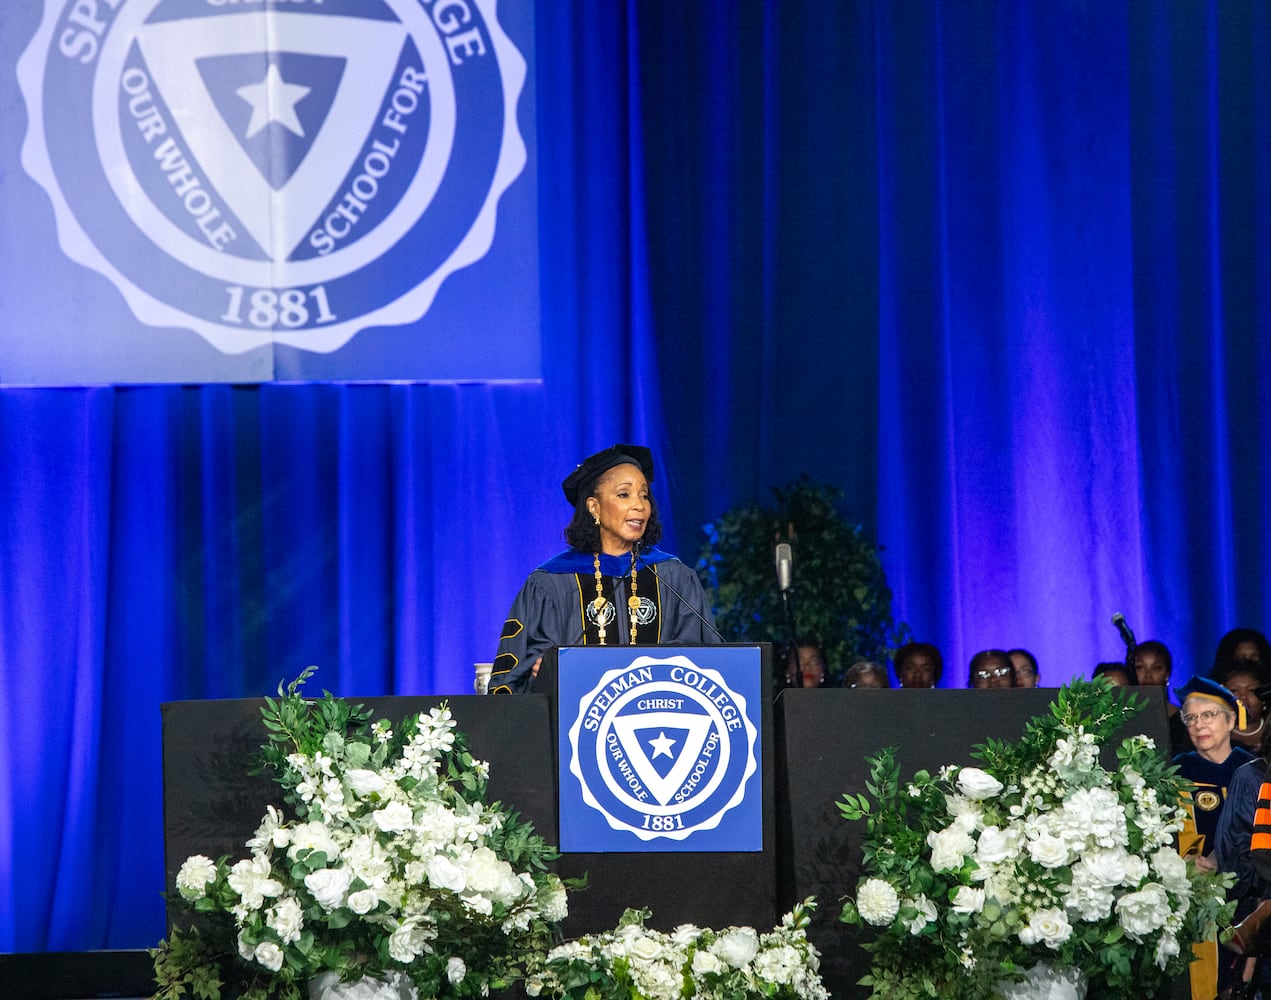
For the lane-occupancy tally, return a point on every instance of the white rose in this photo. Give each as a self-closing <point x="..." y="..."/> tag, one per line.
<point x="287" y="920"/>
<point x="1105" y="868"/>
<point x="993" y="847"/>
<point x="1049" y="927"/>
<point x="1136" y="870"/>
<point x="968" y="900"/>
<point x="365" y="782"/>
<point x="312" y="837"/>
<point x="363" y="901"/>
<point x="706" y="964"/>
<point x="329" y="886"/>
<point x="269" y="955"/>
<point x="644" y="948"/>
<point x="195" y="876"/>
<point x="737" y="947"/>
<point x="445" y="874"/>
<point x="407" y="941"/>
<point x="485" y="872"/>
<point x="456" y="970"/>
<point x="978" y="785"/>
<point x="246" y="949"/>
<point x="966" y="813"/>
<point x="1048" y="851"/>
<point x="949" y="847"/>
<point x="877" y="902"/>
<point x="394" y="817"/>
<point x="1171" y="869"/>
<point x="1143" y="912"/>
<point x="251" y="879"/>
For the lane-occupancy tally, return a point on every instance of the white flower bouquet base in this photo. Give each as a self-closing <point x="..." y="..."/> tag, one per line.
<point x="1046" y="982"/>
<point x="395" y="986"/>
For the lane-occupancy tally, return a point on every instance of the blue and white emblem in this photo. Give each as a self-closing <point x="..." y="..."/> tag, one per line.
<point x="274" y="171"/>
<point x="663" y="749"/>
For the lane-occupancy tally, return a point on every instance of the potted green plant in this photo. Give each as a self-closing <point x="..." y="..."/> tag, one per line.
<point x="839" y="595"/>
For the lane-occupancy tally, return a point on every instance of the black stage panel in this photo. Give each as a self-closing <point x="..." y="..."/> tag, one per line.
<point x="823" y="737"/>
<point x="212" y="807"/>
<point x="77" y="975"/>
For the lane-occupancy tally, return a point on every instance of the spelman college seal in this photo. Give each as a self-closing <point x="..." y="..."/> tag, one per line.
<point x="274" y="171"/>
<point x="663" y="748"/>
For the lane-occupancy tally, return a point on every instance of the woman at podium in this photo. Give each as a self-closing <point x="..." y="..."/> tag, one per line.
<point x="612" y="586"/>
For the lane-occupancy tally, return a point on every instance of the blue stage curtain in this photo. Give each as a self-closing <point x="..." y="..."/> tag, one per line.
<point x="1000" y="271"/>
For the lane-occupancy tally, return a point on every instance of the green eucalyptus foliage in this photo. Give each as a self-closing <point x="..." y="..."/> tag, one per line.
<point x="840" y="594"/>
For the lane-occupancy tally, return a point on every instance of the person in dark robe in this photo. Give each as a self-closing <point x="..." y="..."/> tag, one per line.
<point x="612" y="586"/>
<point x="1211" y="713"/>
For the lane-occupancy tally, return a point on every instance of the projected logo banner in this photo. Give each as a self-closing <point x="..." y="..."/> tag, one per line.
<point x="660" y="753"/>
<point x="287" y="172"/>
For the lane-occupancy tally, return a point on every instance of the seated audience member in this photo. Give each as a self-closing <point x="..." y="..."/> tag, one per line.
<point x="866" y="674"/>
<point x="1244" y="647"/>
<point x="990" y="668"/>
<point x="1210" y="712"/>
<point x="1154" y="664"/>
<point x="1119" y="673"/>
<point x="1247" y="685"/>
<point x="806" y="667"/>
<point x="918" y="665"/>
<point x="1025" y="663"/>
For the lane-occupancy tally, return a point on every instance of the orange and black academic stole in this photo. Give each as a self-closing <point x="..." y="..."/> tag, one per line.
<point x="1261" y="840"/>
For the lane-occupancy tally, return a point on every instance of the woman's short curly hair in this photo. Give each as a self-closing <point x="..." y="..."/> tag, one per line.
<point x="583" y="533"/>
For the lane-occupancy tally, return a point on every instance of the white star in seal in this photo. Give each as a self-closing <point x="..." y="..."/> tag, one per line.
<point x="662" y="745"/>
<point x="272" y="100"/>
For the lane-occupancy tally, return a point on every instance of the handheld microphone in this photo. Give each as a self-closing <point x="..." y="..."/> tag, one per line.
<point x="1127" y="635"/>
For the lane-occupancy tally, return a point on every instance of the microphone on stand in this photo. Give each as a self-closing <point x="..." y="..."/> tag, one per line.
<point x="785" y="575"/>
<point x="664" y="582"/>
<point x="785" y="568"/>
<point x="1127" y="636"/>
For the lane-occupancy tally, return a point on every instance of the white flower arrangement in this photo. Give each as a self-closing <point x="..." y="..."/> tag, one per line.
<point x="392" y="868"/>
<point x="1040" y="863"/>
<point x="635" y="962"/>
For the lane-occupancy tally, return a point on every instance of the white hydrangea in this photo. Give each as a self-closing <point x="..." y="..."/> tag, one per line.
<point x="196" y="874"/>
<point x="1096" y="814"/>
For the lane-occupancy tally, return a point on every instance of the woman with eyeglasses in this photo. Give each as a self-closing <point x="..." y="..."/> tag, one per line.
<point x="1211" y="713"/>
<point x="991" y="668"/>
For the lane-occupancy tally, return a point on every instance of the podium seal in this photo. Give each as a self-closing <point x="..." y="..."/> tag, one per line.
<point x="274" y="171"/>
<point x="663" y="748"/>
